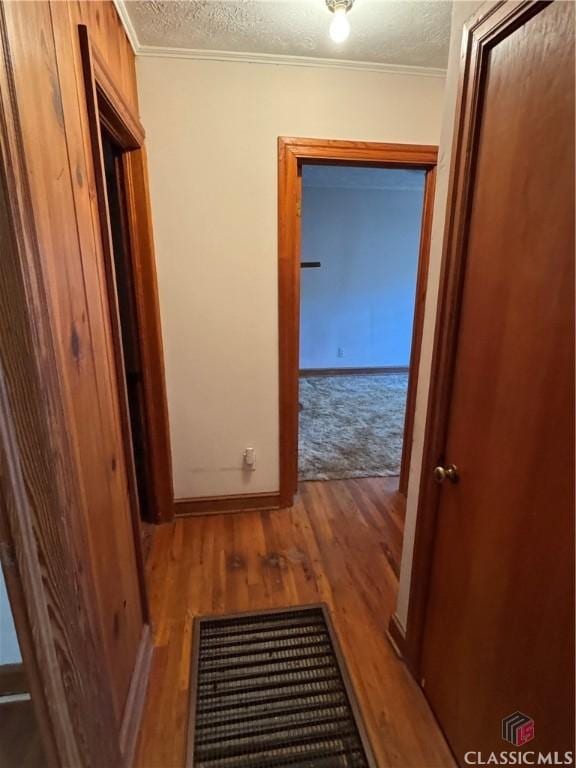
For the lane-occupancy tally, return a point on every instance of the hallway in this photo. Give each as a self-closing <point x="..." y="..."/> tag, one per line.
<point x="339" y="544"/>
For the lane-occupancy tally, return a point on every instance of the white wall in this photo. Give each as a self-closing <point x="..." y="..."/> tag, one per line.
<point x="357" y="309"/>
<point x="212" y="131"/>
<point x="461" y="12"/>
<point x="9" y="648"/>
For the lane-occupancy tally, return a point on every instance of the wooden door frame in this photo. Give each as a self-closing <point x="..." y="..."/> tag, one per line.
<point x="292" y="154"/>
<point x="109" y="107"/>
<point x="485" y="28"/>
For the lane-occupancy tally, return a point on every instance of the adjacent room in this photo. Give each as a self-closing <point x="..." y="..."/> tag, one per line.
<point x="360" y="244"/>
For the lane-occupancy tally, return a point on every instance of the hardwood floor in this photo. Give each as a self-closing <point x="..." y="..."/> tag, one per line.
<point x="340" y="544"/>
<point x="20" y="745"/>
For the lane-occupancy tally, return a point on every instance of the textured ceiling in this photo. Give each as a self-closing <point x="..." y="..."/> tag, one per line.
<point x="354" y="177"/>
<point x="394" y="32"/>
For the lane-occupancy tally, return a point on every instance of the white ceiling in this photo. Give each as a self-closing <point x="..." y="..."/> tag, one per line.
<point x="355" y="177"/>
<point x="397" y="33"/>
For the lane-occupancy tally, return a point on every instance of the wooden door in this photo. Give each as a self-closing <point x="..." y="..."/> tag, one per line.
<point x="500" y="624"/>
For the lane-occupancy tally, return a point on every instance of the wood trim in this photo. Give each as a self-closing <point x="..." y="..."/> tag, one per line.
<point x="417" y="327"/>
<point x="135" y="168"/>
<point x="349" y="687"/>
<point x="214" y="505"/>
<point x="292" y="153"/>
<point x="289" y="193"/>
<point x="192" y="693"/>
<point x="108" y="258"/>
<point x="132" y="714"/>
<point x="115" y="112"/>
<point x="134" y="708"/>
<point x="109" y="107"/>
<point x="42" y="539"/>
<point x="396" y="635"/>
<point x="13" y="679"/>
<point x="389" y="369"/>
<point x="422" y="156"/>
<point x="487" y="26"/>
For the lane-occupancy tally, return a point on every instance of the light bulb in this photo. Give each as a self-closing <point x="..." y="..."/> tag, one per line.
<point x="340" y="26"/>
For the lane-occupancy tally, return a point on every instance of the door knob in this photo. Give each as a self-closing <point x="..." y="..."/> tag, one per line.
<point x="446" y="473"/>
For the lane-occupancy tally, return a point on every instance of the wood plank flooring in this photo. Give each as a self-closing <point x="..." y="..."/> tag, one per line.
<point x="20" y="744"/>
<point x="340" y="544"/>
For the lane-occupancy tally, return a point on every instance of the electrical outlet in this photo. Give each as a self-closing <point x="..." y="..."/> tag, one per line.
<point x="340" y="352"/>
<point x="250" y="459"/>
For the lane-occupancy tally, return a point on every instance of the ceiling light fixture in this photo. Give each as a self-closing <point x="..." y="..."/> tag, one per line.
<point x="340" y="26"/>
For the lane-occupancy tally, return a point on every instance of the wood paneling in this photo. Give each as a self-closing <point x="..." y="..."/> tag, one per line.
<point x="114" y="49"/>
<point x="43" y="77"/>
<point x="292" y="153"/>
<point x="42" y="533"/>
<point x="340" y="544"/>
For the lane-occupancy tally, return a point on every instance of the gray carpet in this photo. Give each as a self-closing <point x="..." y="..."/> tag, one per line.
<point x="351" y="426"/>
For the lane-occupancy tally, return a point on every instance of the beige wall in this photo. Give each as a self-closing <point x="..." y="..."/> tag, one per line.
<point x="211" y="133"/>
<point x="461" y="12"/>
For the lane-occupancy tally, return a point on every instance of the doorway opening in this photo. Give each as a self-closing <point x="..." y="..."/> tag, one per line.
<point x="131" y="362"/>
<point x="360" y="234"/>
<point x="354" y="231"/>
<point x="123" y="210"/>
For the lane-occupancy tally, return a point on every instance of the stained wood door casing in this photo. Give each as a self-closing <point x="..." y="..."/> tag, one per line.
<point x="43" y="51"/>
<point x="292" y="153"/>
<point x="499" y="635"/>
<point x="108" y="111"/>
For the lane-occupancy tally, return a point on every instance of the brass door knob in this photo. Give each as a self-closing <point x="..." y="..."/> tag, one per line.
<point x="446" y="473"/>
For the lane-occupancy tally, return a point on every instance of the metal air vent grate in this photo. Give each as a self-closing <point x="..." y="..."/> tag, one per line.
<point x="271" y="690"/>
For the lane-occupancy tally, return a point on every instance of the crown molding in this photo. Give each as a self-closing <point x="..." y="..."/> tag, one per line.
<point x="122" y="12"/>
<point x="153" y="51"/>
